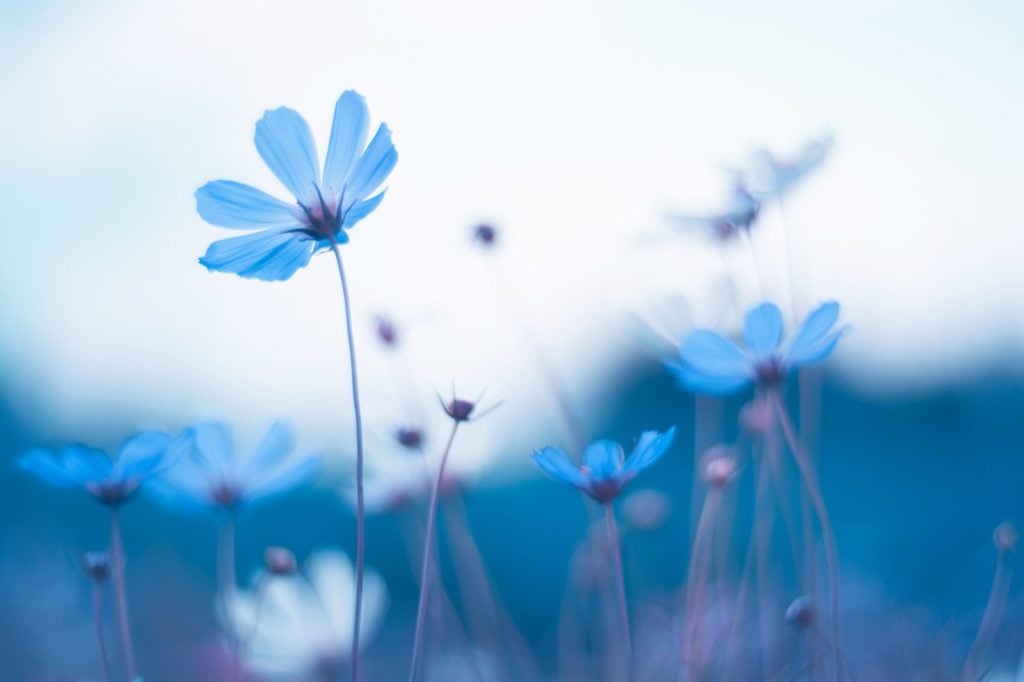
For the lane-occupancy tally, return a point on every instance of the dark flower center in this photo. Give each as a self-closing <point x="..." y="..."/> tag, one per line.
<point x="770" y="372"/>
<point x="225" y="494"/>
<point x="323" y="218"/>
<point x="410" y="438"/>
<point x="113" y="493"/>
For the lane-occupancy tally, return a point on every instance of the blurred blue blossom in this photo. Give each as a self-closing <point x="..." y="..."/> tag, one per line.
<point x="738" y="213"/>
<point x="110" y="480"/>
<point x="605" y="470"/>
<point x="326" y="205"/>
<point x="769" y="176"/>
<point x="711" y="363"/>
<point x="211" y="475"/>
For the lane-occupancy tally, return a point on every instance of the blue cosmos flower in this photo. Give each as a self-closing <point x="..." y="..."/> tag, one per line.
<point x="770" y="177"/>
<point x="739" y="213"/>
<point x="606" y="470"/>
<point x="711" y="363"/>
<point x="326" y="205"/>
<point x="112" y="481"/>
<point x="211" y="475"/>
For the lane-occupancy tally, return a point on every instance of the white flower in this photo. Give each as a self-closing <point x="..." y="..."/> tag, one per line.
<point x="294" y="625"/>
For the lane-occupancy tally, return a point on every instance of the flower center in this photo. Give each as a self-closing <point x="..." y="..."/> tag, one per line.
<point x="323" y="218"/>
<point x="770" y="372"/>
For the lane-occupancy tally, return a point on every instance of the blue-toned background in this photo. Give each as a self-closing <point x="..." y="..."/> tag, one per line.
<point x="573" y="127"/>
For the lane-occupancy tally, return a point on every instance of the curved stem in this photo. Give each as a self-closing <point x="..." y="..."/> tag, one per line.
<point x="428" y="548"/>
<point x="117" y="556"/>
<point x="990" y="619"/>
<point x="360" y="505"/>
<point x="620" y="584"/>
<point x="809" y="476"/>
<point x="97" y="613"/>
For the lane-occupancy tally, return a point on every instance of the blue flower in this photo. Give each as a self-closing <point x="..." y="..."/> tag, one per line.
<point x="211" y="475"/>
<point x="738" y="213"/>
<point x="770" y="177"/>
<point x="111" y="481"/>
<point x="711" y="363"/>
<point x="325" y="205"/>
<point x="605" y="470"/>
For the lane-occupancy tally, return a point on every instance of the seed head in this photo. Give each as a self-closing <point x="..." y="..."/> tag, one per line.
<point x="279" y="561"/>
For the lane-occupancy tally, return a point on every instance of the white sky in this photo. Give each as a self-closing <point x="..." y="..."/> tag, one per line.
<point x="572" y="125"/>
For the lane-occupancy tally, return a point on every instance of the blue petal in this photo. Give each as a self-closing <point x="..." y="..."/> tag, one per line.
<point x="361" y="210"/>
<point x="558" y="466"/>
<point x="300" y="473"/>
<point x="762" y="330"/>
<point x="214" y="451"/>
<point x="373" y="167"/>
<point x="815" y="338"/>
<point x="603" y="458"/>
<point x="184" y="487"/>
<point x="141" y="455"/>
<point x="44" y="465"/>
<point x="232" y="204"/>
<point x="649" y="449"/>
<point x="700" y="382"/>
<point x="271" y="255"/>
<point x="86" y="464"/>
<point x="286" y="144"/>
<point x="271" y="451"/>
<point x="348" y="137"/>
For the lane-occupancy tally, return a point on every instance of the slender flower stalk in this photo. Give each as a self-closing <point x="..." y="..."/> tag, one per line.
<point x="810" y="480"/>
<point x="360" y="501"/>
<point x="97" y="615"/>
<point x="120" y="595"/>
<point x="1006" y="538"/>
<point x="227" y="584"/>
<point x="428" y="549"/>
<point x="620" y="589"/>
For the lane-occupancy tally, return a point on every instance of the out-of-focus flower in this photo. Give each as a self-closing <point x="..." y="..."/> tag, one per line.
<point x="326" y="205"/>
<point x="485" y="235"/>
<point x="111" y="481"/>
<point x="719" y="467"/>
<point x="739" y="213"/>
<point x="711" y="363"/>
<point x="769" y="176"/>
<point x="213" y="475"/>
<point x="301" y="625"/>
<point x="96" y="565"/>
<point x="386" y="331"/>
<point x="279" y="561"/>
<point x="606" y="470"/>
<point x="646" y="509"/>
<point x="1006" y="537"/>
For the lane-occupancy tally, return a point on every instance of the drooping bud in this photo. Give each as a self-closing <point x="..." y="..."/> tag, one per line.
<point x="96" y="565"/>
<point x="801" y="613"/>
<point x="1006" y="537"/>
<point x="279" y="561"/>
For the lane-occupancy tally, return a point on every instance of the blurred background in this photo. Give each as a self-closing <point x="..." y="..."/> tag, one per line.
<point x="573" y="128"/>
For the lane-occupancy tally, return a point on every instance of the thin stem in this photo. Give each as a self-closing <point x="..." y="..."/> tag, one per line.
<point x="428" y="547"/>
<point x="97" y="614"/>
<point x="360" y="505"/>
<point x="697" y="575"/>
<point x="117" y="557"/>
<point x="990" y="619"/>
<point x="809" y="476"/>
<point x="226" y="585"/>
<point x="620" y="584"/>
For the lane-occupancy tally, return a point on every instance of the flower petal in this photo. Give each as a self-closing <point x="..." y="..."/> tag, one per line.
<point x="711" y="363"/>
<point x="348" y="137"/>
<point x="302" y="472"/>
<point x="86" y="464"/>
<point x="286" y="144"/>
<point x="231" y="204"/>
<point x="361" y="210"/>
<point x="372" y="168"/>
<point x="272" y="450"/>
<point x="45" y="466"/>
<point x="701" y="382"/>
<point x="815" y="338"/>
<point x="271" y="255"/>
<point x="214" y="451"/>
<point x="141" y="455"/>
<point x="558" y="466"/>
<point x="603" y="458"/>
<point x="762" y="330"/>
<point x="649" y="449"/>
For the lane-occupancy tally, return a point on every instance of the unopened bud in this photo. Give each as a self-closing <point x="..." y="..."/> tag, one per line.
<point x="646" y="509"/>
<point x="800" y="613"/>
<point x="409" y="437"/>
<point x="387" y="332"/>
<point x="279" y="561"/>
<point x="459" y="410"/>
<point x="756" y="416"/>
<point x="96" y="565"/>
<point x="485" y="235"/>
<point x="1006" y="537"/>
<point x="718" y="466"/>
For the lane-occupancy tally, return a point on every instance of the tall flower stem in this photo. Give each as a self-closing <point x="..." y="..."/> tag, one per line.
<point x="226" y="585"/>
<point x="360" y="503"/>
<point x="97" y="614"/>
<point x="120" y="595"/>
<point x="620" y="584"/>
<point x="810" y="480"/>
<point x="697" y="577"/>
<point x="990" y="618"/>
<point x="428" y="549"/>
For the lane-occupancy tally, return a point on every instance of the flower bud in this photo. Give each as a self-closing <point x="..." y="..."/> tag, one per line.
<point x="386" y="331"/>
<point x="756" y="416"/>
<point x="409" y="437"/>
<point x="96" y="565"/>
<point x="646" y="509"/>
<point x="279" y="561"/>
<point x="459" y="410"/>
<point x="718" y="466"/>
<point x="1006" y="537"/>
<point x="801" y="613"/>
<point x="485" y="235"/>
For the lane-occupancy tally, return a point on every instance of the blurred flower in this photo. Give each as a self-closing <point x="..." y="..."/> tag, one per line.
<point x="212" y="475"/>
<point x="279" y="561"/>
<point x="485" y="235"/>
<point x="111" y="481"/>
<point x="1006" y="537"/>
<point x="801" y="613"/>
<point x="298" y="626"/>
<point x="386" y="331"/>
<point x="605" y="470"/>
<point x="96" y="565"/>
<point x="739" y="213"/>
<point x="768" y="176"/>
<point x="326" y="206"/>
<point x="718" y="466"/>
<point x="646" y="509"/>
<point x="711" y="363"/>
